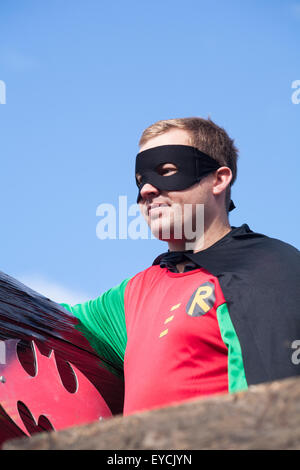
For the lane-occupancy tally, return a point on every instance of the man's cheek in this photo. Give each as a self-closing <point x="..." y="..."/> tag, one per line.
<point x="143" y="210"/>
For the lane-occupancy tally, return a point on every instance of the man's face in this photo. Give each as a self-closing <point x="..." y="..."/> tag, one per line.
<point x="172" y="214"/>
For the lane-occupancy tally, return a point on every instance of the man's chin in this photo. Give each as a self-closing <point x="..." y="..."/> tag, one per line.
<point x="165" y="233"/>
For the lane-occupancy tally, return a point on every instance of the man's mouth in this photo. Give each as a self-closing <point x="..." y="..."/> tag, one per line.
<point x="156" y="208"/>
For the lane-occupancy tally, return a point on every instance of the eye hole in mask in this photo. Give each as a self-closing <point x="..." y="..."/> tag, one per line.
<point x="164" y="169"/>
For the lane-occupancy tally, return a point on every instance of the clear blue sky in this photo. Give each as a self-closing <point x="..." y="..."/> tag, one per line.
<point x="84" y="78"/>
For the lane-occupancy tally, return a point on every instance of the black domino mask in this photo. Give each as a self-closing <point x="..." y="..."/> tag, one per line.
<point x="192" y="165"/>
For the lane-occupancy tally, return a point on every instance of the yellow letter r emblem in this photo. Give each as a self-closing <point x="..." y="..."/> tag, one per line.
<point x="202" y="300"/>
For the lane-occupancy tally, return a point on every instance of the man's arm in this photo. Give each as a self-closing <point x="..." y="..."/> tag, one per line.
<point x="102" y="322"/>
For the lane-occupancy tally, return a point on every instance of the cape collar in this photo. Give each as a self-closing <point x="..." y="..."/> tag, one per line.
<point x="217" y="257"/>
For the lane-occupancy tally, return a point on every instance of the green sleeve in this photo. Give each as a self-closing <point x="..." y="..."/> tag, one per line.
<point x="102" y="322"/>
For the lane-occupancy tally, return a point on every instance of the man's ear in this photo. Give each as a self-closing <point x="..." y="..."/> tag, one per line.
<point x="222" y="179"/>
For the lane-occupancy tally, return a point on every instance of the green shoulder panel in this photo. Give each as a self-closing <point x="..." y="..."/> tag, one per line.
<point x="102" y="322"/>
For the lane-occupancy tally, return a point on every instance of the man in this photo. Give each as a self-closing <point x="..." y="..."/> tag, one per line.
<point x="210" y="317"/>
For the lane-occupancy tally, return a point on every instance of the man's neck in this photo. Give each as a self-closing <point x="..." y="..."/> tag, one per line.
<point x="212" y="234"/>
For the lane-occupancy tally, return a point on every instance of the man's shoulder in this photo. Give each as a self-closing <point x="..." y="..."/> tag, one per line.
<point x="275" y="247"/>
<point x="143" y="281"/>
<point x="244" y="236"/>
<point x="248" y="252"/>
<point x="149" y="272"/>
<point x="269" y="254"/>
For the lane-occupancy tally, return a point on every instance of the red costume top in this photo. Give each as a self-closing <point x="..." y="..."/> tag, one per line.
<point x="175" y="350"/>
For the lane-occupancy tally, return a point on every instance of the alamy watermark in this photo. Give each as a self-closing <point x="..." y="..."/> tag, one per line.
<point x="164" y="221"/>
<point x="296" y="354"/>
<point x="296" y="94"/>
<point x="2" y="352"/>
<point x="2" y="92"/>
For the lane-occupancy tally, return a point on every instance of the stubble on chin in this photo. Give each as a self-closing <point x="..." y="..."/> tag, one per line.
<point x="179" y="225"/>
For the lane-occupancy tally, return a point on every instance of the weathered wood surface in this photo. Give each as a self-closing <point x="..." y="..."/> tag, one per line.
<point x="266" y="416"/>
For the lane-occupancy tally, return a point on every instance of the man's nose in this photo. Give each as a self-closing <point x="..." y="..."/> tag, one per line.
<point x="148" y="190"/>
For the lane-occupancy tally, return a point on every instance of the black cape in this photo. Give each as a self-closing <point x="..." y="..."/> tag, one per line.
<point x="260" y="280"/>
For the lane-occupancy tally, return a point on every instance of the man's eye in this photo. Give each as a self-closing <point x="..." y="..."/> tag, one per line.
<point x="166" y="170"/>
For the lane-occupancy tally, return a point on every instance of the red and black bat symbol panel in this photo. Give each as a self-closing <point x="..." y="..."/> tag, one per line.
<point x="41" y="392"/>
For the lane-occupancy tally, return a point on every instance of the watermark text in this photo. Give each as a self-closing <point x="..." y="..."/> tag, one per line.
<point x="296" y="354"/>
<point x="296" y="93"/>
<point x="2" y="92"/>
<point x="145" y="459"/>
<point x="2" y="352"/>
<point x="165" y="221"/>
